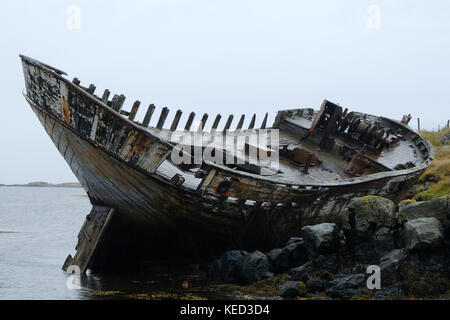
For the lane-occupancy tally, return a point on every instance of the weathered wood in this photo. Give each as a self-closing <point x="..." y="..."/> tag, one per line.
<point x="91" y="89"/>
<point x="105" y="96"/>
<point x="188" y="125"/>
<point x="120" y="102"/>
<point x="264" y="123"/>
<point x="114" y="101"/>
<point x="117" y="102"/>
<point x="228" y="123"/>
<point x="134" y="110"/>
<point x="216" y="123"/>
<point x="241" y="122"/>
<point x="148" y="115"/>
<point x="252" y="122"/>
<point x="176" y="120"/>
<point x="162" y="117"/>
<point x="89" y="236"/>
<point x="202" y="124"/>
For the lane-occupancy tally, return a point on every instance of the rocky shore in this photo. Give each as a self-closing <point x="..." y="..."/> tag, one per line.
<point x="407" y="247"/>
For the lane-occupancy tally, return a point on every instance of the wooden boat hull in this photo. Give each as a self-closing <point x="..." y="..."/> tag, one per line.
<point x="116" y="162"/>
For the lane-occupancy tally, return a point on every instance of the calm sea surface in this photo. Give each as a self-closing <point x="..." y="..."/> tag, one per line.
<point x="38" y="229"/>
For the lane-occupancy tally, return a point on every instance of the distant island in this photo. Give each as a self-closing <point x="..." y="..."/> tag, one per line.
<point x="45" y="185"/>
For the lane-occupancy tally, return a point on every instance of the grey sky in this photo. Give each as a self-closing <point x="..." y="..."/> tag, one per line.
<point x="224" y="57"/>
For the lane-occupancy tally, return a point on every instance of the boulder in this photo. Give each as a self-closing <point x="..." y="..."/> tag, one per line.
<point x="294" y="240"/>
<point x="320" y="238"/>
<point x="316" y="285"/>
<point x="253" y="267"/>
<point x="423" y="233"/>
<point x="347" y="286"/>
<point x="324" y="265"/>
<point x="437" y="207"/>
<point x="293" y="254"/>
<point x="292" y="289"/>
<point x="235" y="265"/>
<point x="302" y="272"/>
<point x="391" y="266"/>
<point x="225" y="268"/>
<point x="368" y="214"/>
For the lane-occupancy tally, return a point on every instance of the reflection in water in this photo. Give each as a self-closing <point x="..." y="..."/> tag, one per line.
<point x="40" y="227"/>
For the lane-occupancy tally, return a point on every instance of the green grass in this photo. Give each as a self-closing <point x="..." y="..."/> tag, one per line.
<point x="439" y="171"/>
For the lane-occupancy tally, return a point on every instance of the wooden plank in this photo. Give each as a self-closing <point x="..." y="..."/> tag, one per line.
<point x="188" y="125"/>
<point x="162" y="117"/>
<point x="228" y="123"/>
<point x="134" y="110"/>
<point x="264" y="123"/>
<point x="216" y="123"/>
<point x="91" y="89"/>
<point x="202" y="122"/>
<point x="148" y="115"/>
<point x="241" y="122"/>
<point x="89" y="236"/>
<point x="105" y="96"/>
<point x="176" y="120"/>
<point x="252" y="122"/>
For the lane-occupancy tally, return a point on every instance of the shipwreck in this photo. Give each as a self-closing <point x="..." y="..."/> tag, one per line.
<point x="148" y="207"/>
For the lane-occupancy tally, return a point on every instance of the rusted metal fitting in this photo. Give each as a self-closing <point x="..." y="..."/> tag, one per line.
<point x="358" y="163"/>
<point x="224" y="186"/>
<point x="178" y="179"/>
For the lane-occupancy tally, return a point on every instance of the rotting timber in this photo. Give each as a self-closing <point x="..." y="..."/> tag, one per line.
<point x="147" y="208"/>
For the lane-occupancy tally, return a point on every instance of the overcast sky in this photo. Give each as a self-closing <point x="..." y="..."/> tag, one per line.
<point x="382" y="57"/>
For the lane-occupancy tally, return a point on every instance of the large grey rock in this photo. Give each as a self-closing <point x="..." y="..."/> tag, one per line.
<point x="423" y="233"/>
<point x="293" y="254"/>
<point x="324" y="265"/>
<point x="292" y="289"/>
<point x="391" y="266"/>
<point x="347" y="286"/>
<point x="302" y="272"/>
<point x="316" y="285"/>
<point x="225" y="268"/>
<point x="235" y="265"/>
<point x="437" y="207"/>
<point x="253" y="267"/>
<point x="320" y="238"/>
<point x="369" y="213"/>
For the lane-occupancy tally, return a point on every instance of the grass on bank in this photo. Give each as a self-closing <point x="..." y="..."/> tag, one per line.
<point x="439" y="171"/>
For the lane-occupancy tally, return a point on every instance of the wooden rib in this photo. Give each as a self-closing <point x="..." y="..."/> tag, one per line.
<point x="188" y="125"/>
<point x="201" y="126"/>
<point x="120" y="101"/>
<point x="176" y="120"/>
<point x="228" y="123"/>
<point x="216" y="123"/>
<point x="162" y="117"/>
<point x="252" y="122"/>
<point x="115" y="101"/>
<point x="148" y="115"/>
<point x="134" y="110"/>
<point x="264" y="123"/>
<point x="105" y="96"/>
<point x="241" y="122"/>
<point x="91" y="89"/>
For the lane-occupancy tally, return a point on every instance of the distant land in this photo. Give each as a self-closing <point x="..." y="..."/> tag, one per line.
<point x="45" y="185"/>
